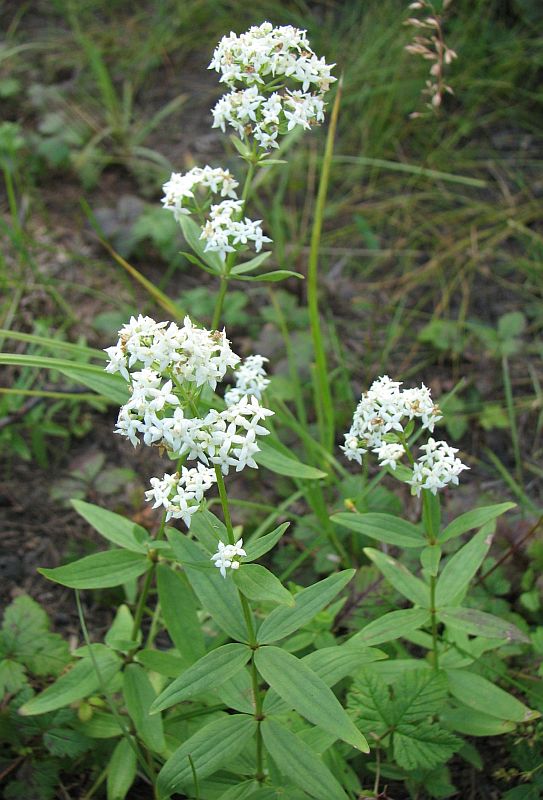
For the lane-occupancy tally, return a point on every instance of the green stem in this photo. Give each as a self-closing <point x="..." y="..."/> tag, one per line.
<point x="321" y="386"/>
<point x="435" y="654"/>
<point x="259" y="775"/>
<point x="229" y="263"/>
<point x="142" y="600"/>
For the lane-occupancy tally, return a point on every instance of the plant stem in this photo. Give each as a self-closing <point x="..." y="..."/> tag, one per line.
<point x="259" y="775"/>
<point x="435" y="655"/>
<point x="321" y="386"/>
<point x="229" y="263"/>
<point x="142" y="600"/>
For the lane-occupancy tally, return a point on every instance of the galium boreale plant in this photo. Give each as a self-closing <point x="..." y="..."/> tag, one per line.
<point x="225" y="711"/>
<point x="415" y="709"/>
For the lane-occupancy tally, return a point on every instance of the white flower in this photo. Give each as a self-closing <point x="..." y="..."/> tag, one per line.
<point x="181" y="495"/>
<point x="250" y="380"/>
<point x="227" y="556"/>
<point x="181" y="187"/>
<point x="224" y="229"/>
<point x="436" y="468"/>
<point x="389" y="454"/>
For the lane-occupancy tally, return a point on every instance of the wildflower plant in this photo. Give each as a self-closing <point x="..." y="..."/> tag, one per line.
<point x="216" y="679"/>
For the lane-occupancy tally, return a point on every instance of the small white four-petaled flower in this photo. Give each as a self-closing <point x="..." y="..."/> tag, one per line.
<point x="227" y="556"/>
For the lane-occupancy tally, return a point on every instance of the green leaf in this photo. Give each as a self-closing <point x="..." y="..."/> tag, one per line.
<point x="454" y="581"/>
<point x="217" y="595"/>
<point x="100" y="726"/>
<point x="162" y="662"/>
<point x="250" y="266"/>
<point x="139" y="696"/>
<point x="210" y="748"/>
<point x="475" y="723"/>
<point x="184" y="629"/>
<point x="308" y="694"/>
<point x="479" y="623"/>
<point x="192" y="233"/>
<point x="12" y="676"/>
<point x="424" y="746"/>
<point x="392" y="626"/>
<point x="259" y="584"/>
<point x="208" y="529"/>
<point x="99" y="571"/>
<point x="399" y="576"/>
<point x="255" y="549"/>
<point x="237" y="692"/>
<point x="473" y="519"/>
<point x="271" y="277"/>
<point x="121" y="628"/>
<point x="284" y="621"/>
<point x="275" y="461"/>
<point x="26" y="638"/>
<point x="430" y="558"/>
<point x="383" y="527"/>
<point x="65" y="742"/>
<point x="79" y="682"/>
<point x="298" y="762"/>
<point x="113" y="527"/>
<point x="121" y="771"/>
<point x="208" y="673"/>
<point x="476" y="692"/>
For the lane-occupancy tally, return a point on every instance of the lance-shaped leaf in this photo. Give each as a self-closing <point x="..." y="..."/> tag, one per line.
<point x="164" y="663"/>
<point x="480" y="694"/>
<point x="308" y="694"/>
<point x="392" y="626"/>
<point x="184" y="628"/>
<point x="217" y="595"/>
<point x="270" y="277"/>
<point x="100" y="571"/>
<point x="298" y="762"/>
<point x="475" y="723"/>
<point x="121" y="770"/>
<point x="479" y="623"/>
<point x="208" y="673"/>
<point x="473" y="519"/>
<point x="208" y="529"/>
<point x="383" y="527"/>
<point x="277" y="462"/>
<point x="284" y="621"/>
<point x="139" y="696"/>
<point x="259" y="547"/>
<point x="399" y="576"/>
<point x="192" y="233"/>
<point x="259" y="584"/>
<point x="81" y="681"/>
<point x="210" y="748"/>
<point x="250" y="266"/>
<point x="113" y="527"/>
<point x="459" y="570"/>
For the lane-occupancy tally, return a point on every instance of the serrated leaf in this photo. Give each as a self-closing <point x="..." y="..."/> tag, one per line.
<point x="99" y="571"/>
<point x="423" y="746"/>
<point x="284" y="621"/>
<point x="257" y="548"/>
<point x="217" y="595"/>
<point x="139" y="696"/>
<point x="25" y="637"/>
<point x="277" y="462"/>
<point x="121" y="770"/>
<point x="12" y="676"/>
<point x="473" y="519"/>
<point x="476" y="692"/>
<point x="308" y="694"/>
<point x="259" y="584"/>
<point x="114" y="527"/>
<point x="418" y="694"/>
<point x="454" y="581"/>
<point x="399" y="576"/>
<point x="81" y="681"/>
<point x="209" y="748"/>
<point x="208" y="673"/>
<point x="392" y="626"/>
<point x="479" y="623"/>
<point x="298" y="762"/>
<point x="185" y="629"/>
<point x="383" y="527"/>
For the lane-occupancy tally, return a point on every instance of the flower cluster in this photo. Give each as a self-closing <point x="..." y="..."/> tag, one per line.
<point x="225" y="229"/>
<point x="380" y="422"/>
<point x="436" y="468"/>
<point x="384" y="409"/>
<point x="181" y="494"/>
<point x="166" y="365"/>
<point x="182" y="186"/>
<point x="227" y="556"/>
<point x="250" y="380"/>
<point x="265" y="68"/>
